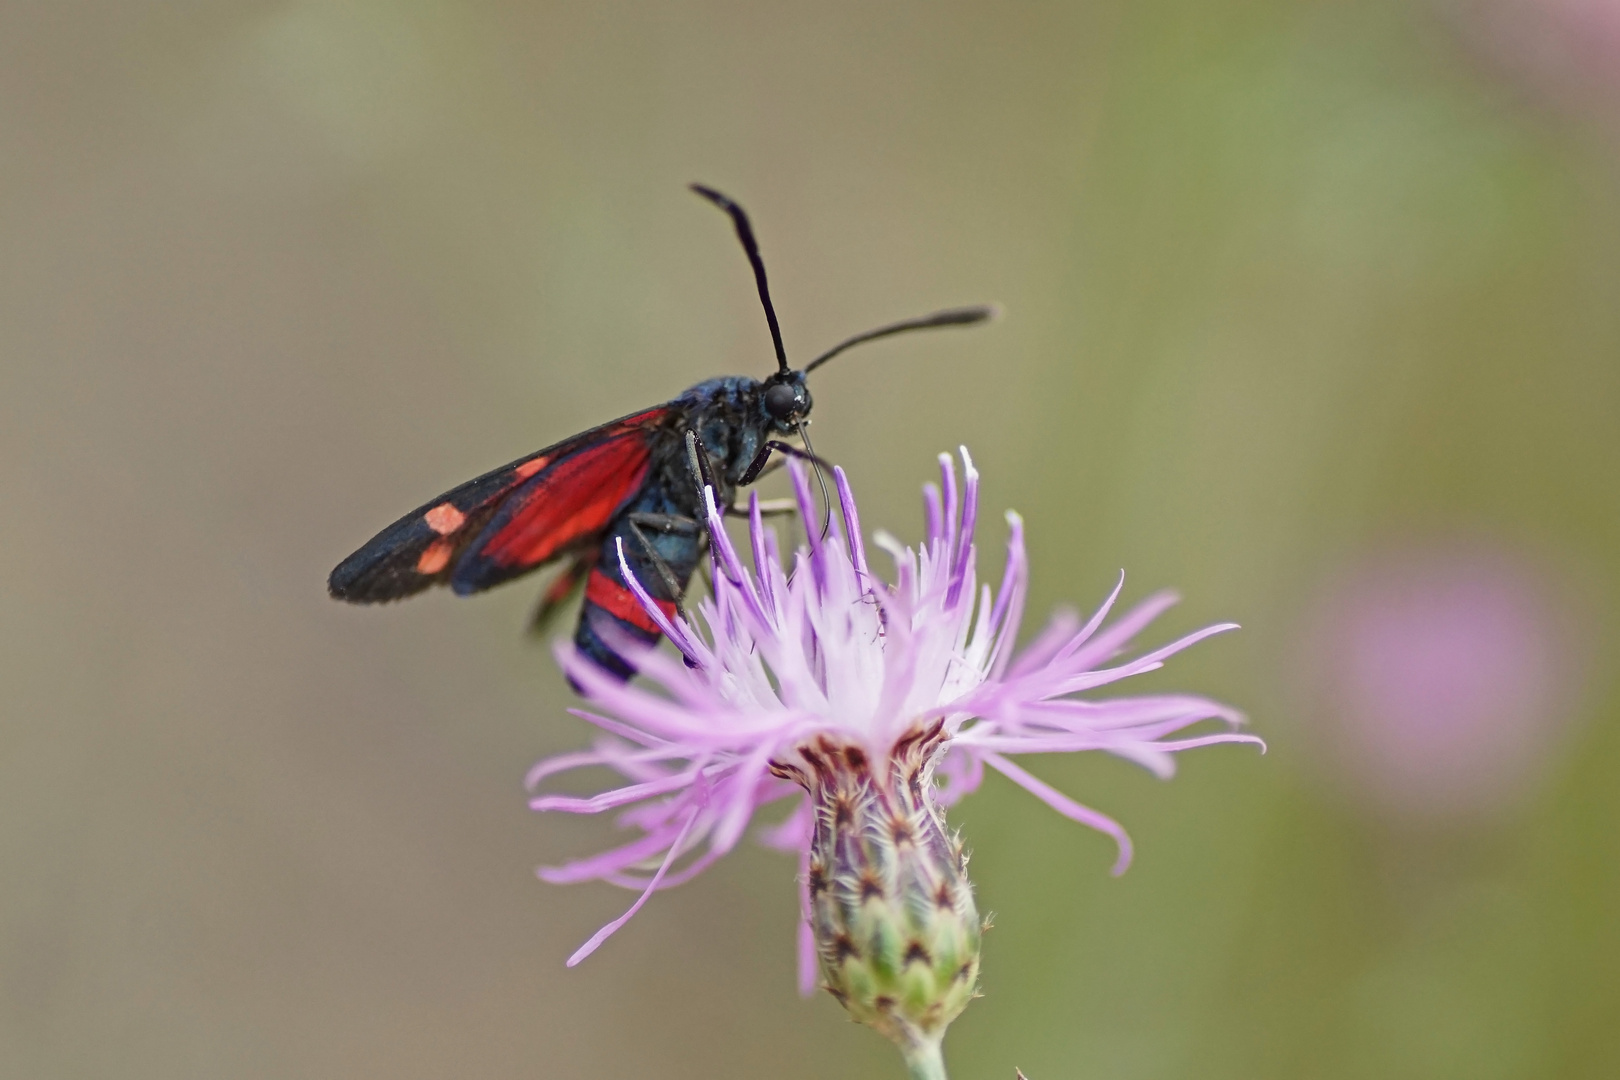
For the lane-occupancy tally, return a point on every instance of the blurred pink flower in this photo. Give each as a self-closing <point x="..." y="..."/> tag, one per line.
<point x="1566" y="51"/>
<point x="794" y="675"/>
<point x="1440" y="676"/>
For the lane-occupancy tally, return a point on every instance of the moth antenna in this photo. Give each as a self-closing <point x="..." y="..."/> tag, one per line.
<point x="745" y="233"/>
<point x="962" y="316"/>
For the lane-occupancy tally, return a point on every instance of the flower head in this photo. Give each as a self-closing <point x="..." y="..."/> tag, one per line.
<point x="1440" y="676"/>
<point x="870" y="705"/>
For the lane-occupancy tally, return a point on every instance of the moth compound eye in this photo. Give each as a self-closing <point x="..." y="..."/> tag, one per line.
<point x="781" y="401"/>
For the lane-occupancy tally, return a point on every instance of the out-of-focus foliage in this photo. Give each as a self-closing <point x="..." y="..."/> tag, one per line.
<point x="1291" y="288"/>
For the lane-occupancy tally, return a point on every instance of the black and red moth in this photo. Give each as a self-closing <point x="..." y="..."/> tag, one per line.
<point x="636" y="480"/>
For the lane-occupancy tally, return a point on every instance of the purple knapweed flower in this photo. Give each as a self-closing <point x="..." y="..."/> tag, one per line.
<point x="1440" y="677"/>
<point x="1564" y="52"/>
<point x="868" y="705"/>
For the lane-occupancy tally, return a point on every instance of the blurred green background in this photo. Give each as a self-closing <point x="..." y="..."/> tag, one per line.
<point x="1288" y="285"/>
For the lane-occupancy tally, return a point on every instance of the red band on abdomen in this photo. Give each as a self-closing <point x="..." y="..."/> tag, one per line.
<point x="620" y="602"/>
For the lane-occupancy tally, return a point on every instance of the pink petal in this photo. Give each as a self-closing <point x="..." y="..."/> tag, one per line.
<point x="1067" y="807"/>
<point x="607" y="931"/>
<point x="1117" y="636"/>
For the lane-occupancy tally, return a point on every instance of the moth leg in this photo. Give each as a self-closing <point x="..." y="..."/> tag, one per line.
<point x="776" y="463"/>
<point x="700" y="463"/>
<point x="767" y="508"/>
<point x="703" y="567"/>
<point x="667" y="524"/>
<point x="757" y="466"/>
<point x="562" y="587"/>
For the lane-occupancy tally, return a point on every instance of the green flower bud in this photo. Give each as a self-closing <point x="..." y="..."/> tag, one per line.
<point x="896" y="930"/>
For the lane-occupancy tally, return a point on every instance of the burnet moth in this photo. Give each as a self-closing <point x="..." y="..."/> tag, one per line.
<point x="635" y="483"/>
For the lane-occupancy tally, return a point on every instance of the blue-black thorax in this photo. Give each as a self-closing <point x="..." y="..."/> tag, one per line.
<point x="729" y="416"/>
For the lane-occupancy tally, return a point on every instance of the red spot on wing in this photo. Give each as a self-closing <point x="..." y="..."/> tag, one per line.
<point x="530" y="467"/>
<point x="575" y="498"/>
<point x="435" y="557"/>
<point x="444" y="519"/>
<point x="616" y="599"/>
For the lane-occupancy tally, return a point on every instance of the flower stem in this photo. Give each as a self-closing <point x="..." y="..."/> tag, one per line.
<point x="926" y="1062"/>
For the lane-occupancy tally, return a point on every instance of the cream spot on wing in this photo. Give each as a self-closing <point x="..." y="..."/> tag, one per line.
<point x="444" y="519"/>
<point x="435" y="557"/>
